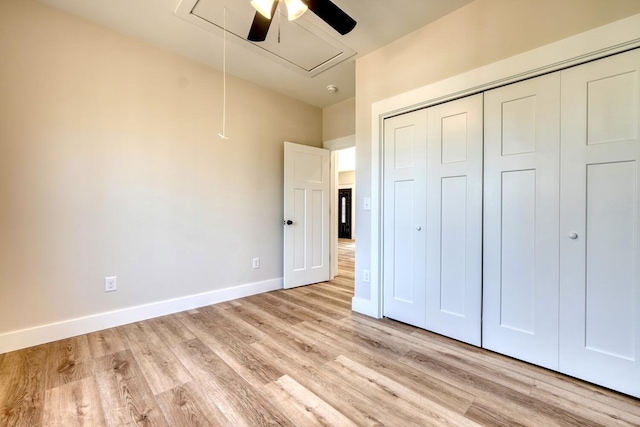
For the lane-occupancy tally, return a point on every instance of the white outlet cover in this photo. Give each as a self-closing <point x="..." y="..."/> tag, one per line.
<point x="110" y="284"/>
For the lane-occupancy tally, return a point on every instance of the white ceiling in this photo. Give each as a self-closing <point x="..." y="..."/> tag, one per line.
<point x="379" y="23"/>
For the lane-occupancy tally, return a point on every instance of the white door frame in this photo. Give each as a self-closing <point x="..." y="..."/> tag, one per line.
<point x="602" y="41"/>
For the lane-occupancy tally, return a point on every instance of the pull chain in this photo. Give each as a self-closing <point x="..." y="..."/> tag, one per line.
<point x="223" y="135"/>
<point x="279" y="22"/>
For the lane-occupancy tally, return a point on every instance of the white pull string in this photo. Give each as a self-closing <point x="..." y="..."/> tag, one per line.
<point x="223" y="135"/>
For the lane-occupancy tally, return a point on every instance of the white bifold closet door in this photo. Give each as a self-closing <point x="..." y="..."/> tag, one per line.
<point x="600" y="223"/>
<point x="432" y="225"/>
<point x="454" y="219"/>
<point x="521" y="204"/>
<point x="405" y="159"/>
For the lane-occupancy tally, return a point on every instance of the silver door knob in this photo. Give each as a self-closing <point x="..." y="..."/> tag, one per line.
<point x="573" y="236"/>
<point x="419" y="228"/>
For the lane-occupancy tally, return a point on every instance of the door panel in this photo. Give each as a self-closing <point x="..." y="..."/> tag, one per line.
<point x="454" y="219"/>
<point x="610" y="250"/>
<point x="521" y="204"/>
<point x="404" y="215"/>
<point x="306" y="205"/>
<point x="599" y="223"/>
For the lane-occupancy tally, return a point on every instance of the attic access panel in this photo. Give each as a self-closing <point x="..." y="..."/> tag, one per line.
<point x="303" y="47"/>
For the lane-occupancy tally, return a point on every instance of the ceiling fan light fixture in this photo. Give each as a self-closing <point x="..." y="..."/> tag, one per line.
<point x="264" y="7"/>
<point x="295" y="9"/>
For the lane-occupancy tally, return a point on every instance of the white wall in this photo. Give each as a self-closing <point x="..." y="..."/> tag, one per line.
<point x="110" y="164"/>
<point x="483" y="32"/>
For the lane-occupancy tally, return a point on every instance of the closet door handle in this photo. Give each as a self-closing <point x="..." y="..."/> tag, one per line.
<point x="419" y="228"/>
<point x="573" y="236"/>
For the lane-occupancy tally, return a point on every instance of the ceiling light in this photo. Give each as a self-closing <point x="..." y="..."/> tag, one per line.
<point x="295" y="9"/>
<point x="263" y="6"/>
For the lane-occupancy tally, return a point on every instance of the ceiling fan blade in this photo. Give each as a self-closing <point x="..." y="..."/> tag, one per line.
<point x="260" y="26"/>
<point x="332" y="15"/>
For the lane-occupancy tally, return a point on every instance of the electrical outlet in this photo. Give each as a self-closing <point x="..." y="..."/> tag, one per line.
<point x="110" y="284"/>
<point x="256" y="263"/>
<point x="366" y="276"/>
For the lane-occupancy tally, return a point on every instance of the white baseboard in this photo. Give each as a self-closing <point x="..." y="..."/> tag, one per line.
<point x="24" y="338"/>
<point x="365" y="306"/>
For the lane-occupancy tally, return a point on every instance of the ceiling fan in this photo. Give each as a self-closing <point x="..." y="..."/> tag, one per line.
<point x="324" y="9"/>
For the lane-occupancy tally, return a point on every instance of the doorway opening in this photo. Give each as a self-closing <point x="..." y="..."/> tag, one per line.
<point x="345" y="220"/>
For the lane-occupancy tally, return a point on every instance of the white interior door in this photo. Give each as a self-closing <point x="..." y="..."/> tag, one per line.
<point x="521" y="220"/>
<point x="599" y="223"/>
<point x="306" y="215"/>
<point x="454" y="219"/>
<point x="404" y="232"/>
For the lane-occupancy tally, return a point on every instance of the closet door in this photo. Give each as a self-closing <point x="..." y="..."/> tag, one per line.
<point x="404" y="217"/>
<point x="521" y="215"/>
<point x="599" y="223"/>
<point x="454" y="219"/>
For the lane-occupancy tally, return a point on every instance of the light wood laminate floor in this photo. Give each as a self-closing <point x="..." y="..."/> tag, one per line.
<point x="295" y="357"/>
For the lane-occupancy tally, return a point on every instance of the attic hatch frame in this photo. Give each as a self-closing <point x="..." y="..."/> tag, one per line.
<point x="185" y="10"/>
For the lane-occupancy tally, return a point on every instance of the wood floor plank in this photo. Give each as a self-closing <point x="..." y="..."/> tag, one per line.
<point x="437" y="391"/>
<point x="160" y="367"/>
<point x="304" y="313"/>
<point x="75" y="403"/>
<point x="190" y="405"/>
<point x="126" y="396"/>
<point x="536" y="411"/>
<point x="331" y="387"/>
<point x="354" y="333"/>
<point x="275" y="308"/>
<point x="396" y="395"/>
<point x="243" y="331"/>
<point x="228" y="304"/>
<point x="485" y="413"/>
<point x="332" y="290"/>
<point x="171" y="330"/>
<point x="324" y="300"/>
<point x="254" y="369"/>
<point x="241" y="404"/>
<point x="287" y="336"/>
<point x="598" y="411"/>
<point x="508" y="378"/>
<point x="108" y="341"/>
<point x="322" y="411"/>
<point x="22" y="387"/>
<point x="296" y="412"/>
<point x="67" y="361"/>
<point x="326" y="311"/>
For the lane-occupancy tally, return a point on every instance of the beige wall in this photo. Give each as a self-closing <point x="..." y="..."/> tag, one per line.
<point x="339" y="120"/>
<point x="347" y="178"/>
<point x="110" y="164"/>
<point x="478" y="34"/>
